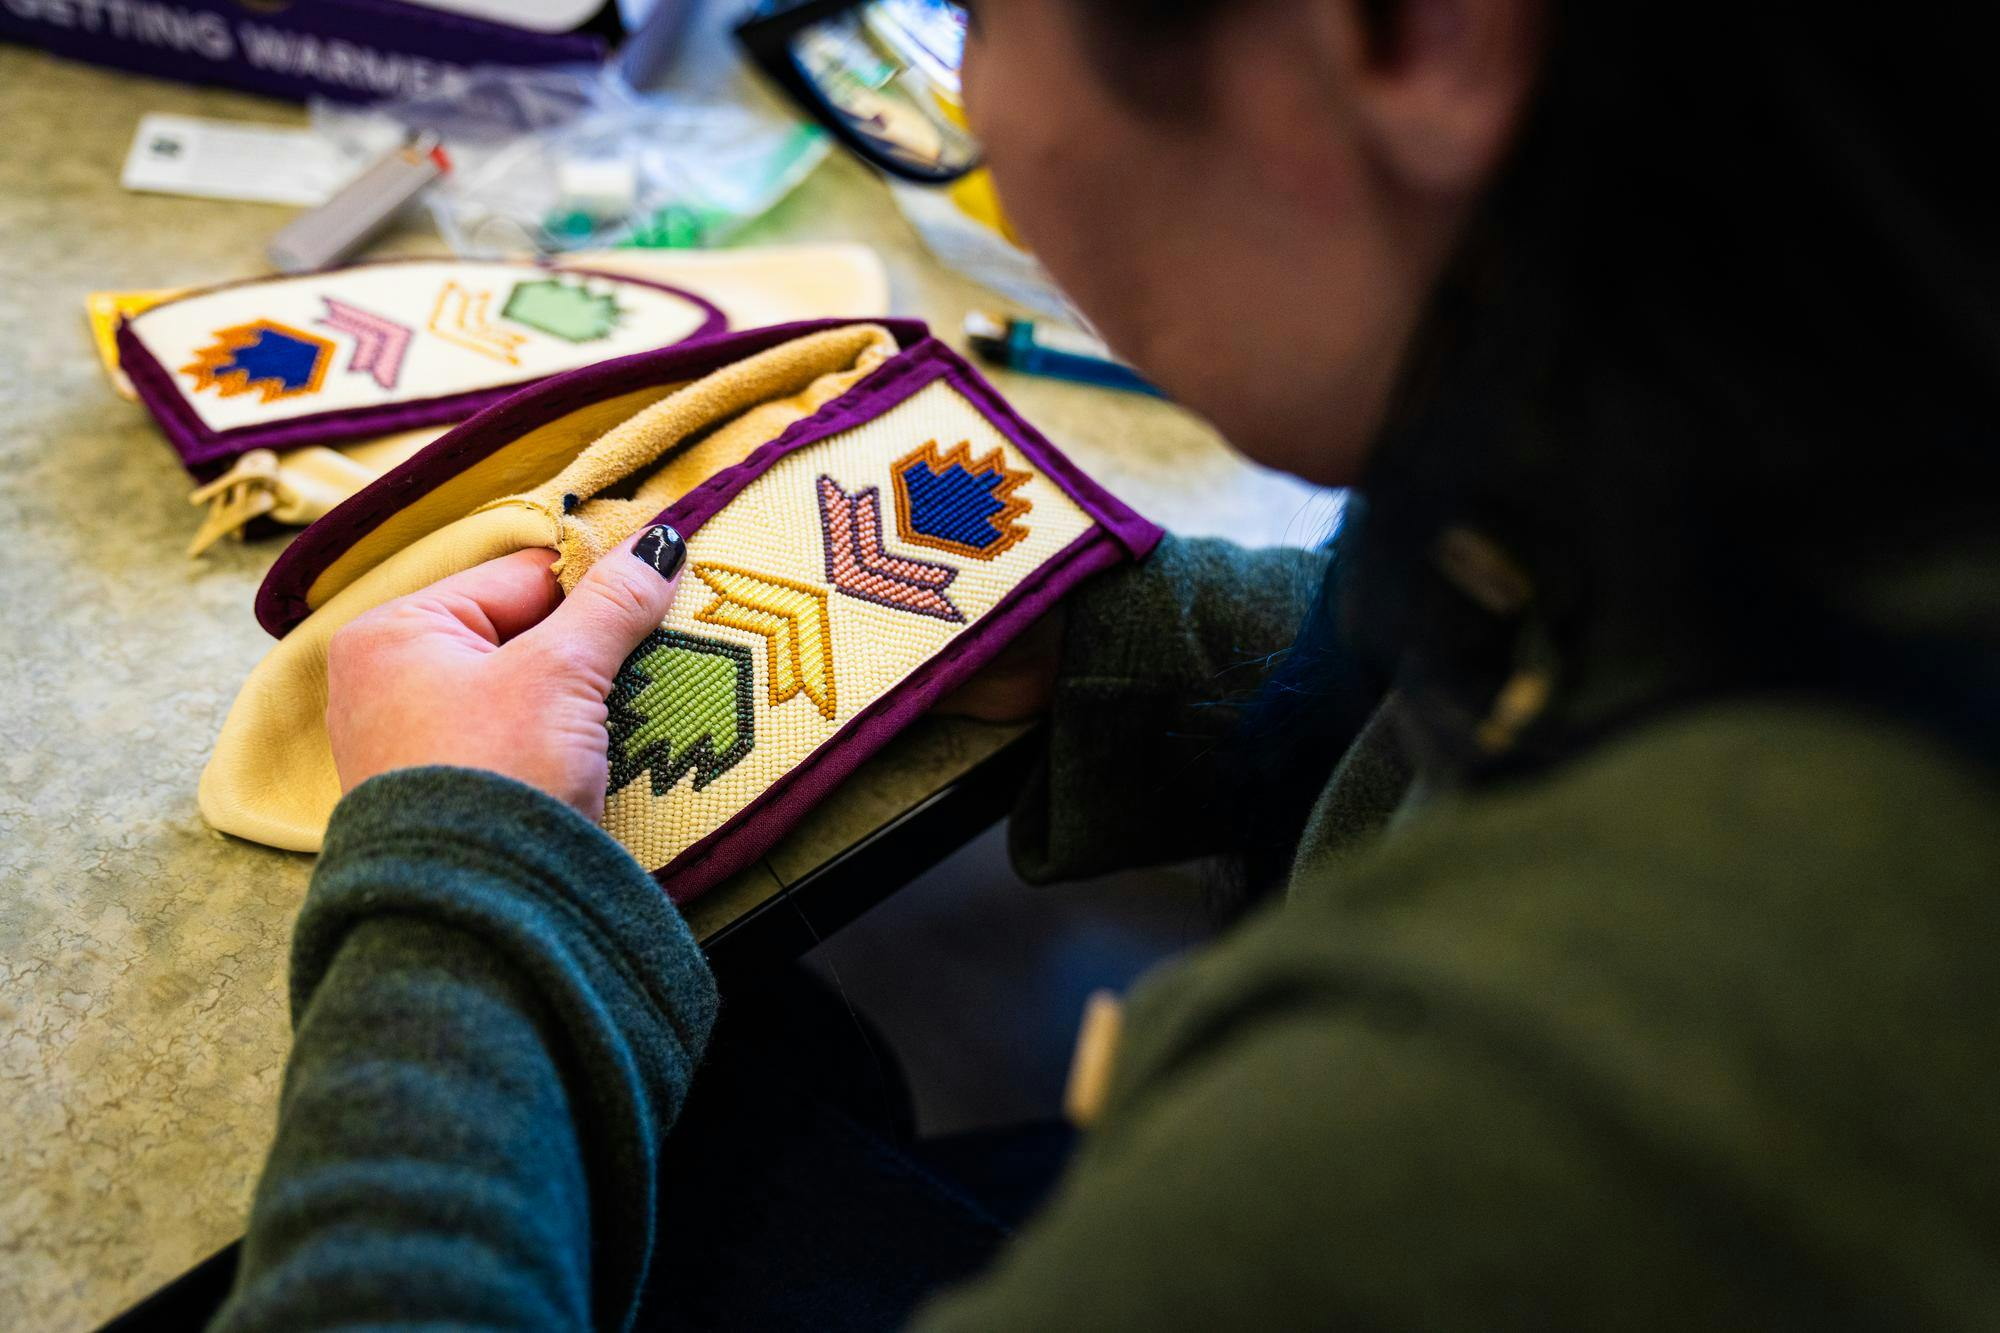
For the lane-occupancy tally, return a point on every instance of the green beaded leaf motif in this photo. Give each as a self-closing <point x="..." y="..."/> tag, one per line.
<point x="565" y="310"/>
<point x="681" y="704"/>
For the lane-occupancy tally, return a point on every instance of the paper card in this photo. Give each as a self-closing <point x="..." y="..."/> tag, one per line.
<point x="221" y="159"/>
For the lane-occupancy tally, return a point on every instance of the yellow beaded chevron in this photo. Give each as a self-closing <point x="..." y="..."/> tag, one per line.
<point x="790" y="617"/>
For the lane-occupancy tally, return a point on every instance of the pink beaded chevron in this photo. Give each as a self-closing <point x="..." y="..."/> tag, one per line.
<point x="379" y="342"/>
<point x="856" y="564"/>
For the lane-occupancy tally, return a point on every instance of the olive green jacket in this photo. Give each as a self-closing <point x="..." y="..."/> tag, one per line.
<point x="1697" y="1030"/>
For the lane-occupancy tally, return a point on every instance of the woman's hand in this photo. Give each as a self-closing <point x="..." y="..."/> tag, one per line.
<point x="1019" y="683"/>
<point x="495" y="669"/>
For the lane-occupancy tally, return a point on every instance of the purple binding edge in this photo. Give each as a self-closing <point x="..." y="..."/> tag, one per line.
<point x="281" y="600"/>
<point x="203" y="451"/>
<point x="1120" y="534"/>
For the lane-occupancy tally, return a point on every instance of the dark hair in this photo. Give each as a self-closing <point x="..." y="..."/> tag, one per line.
<point x="1716" y="371"/>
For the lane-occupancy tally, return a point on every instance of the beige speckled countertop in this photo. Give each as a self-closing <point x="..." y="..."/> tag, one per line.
<point x="142" y="1010"/>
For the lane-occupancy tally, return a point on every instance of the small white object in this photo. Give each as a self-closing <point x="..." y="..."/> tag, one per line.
<point x="604" y="188"/>
<point x="220" y="159"/>
<point x="534" y="15"/>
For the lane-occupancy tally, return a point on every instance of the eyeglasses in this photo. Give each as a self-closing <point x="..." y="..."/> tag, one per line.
<point x="880" y="75"/>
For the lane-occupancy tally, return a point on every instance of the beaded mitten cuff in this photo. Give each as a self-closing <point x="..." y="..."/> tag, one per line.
<point x="867" y="523"/>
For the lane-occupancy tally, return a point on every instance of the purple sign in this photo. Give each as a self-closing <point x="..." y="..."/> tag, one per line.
<point x="349" y="50"/>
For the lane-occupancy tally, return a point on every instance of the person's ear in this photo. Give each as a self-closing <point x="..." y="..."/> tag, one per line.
<point x="1437" y="88"/>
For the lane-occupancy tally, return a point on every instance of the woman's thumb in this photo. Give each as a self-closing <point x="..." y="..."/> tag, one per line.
<point x="620" y="601"/>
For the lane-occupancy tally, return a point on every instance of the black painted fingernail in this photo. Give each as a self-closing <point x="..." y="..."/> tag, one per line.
<point x="662" y="548"/>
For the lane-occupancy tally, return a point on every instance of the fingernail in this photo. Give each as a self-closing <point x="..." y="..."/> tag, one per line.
<point x="662" y="548"/>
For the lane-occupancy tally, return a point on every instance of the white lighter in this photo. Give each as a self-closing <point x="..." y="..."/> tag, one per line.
<point x="349" y="220"/>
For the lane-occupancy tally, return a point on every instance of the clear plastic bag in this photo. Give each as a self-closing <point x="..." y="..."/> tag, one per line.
<point x="554" y="159"/>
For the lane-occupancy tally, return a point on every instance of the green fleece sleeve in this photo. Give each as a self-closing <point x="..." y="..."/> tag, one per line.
<point x="1158" y="662"/>
<point x="497" y="1016"/>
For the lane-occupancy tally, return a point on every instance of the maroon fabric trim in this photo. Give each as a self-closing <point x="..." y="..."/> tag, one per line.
<point x="752" y="831"/>
<point x="204" y="452"/>
<point x="281" y="600"/>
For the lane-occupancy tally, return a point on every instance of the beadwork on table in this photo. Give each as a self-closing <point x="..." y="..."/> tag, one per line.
<point x="377" y="338"/>
<point x="832" y="609"/>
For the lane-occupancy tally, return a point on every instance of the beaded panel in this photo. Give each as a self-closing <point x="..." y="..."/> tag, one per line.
<point x="808" y="570"/>
<point x="377" y="335"/>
